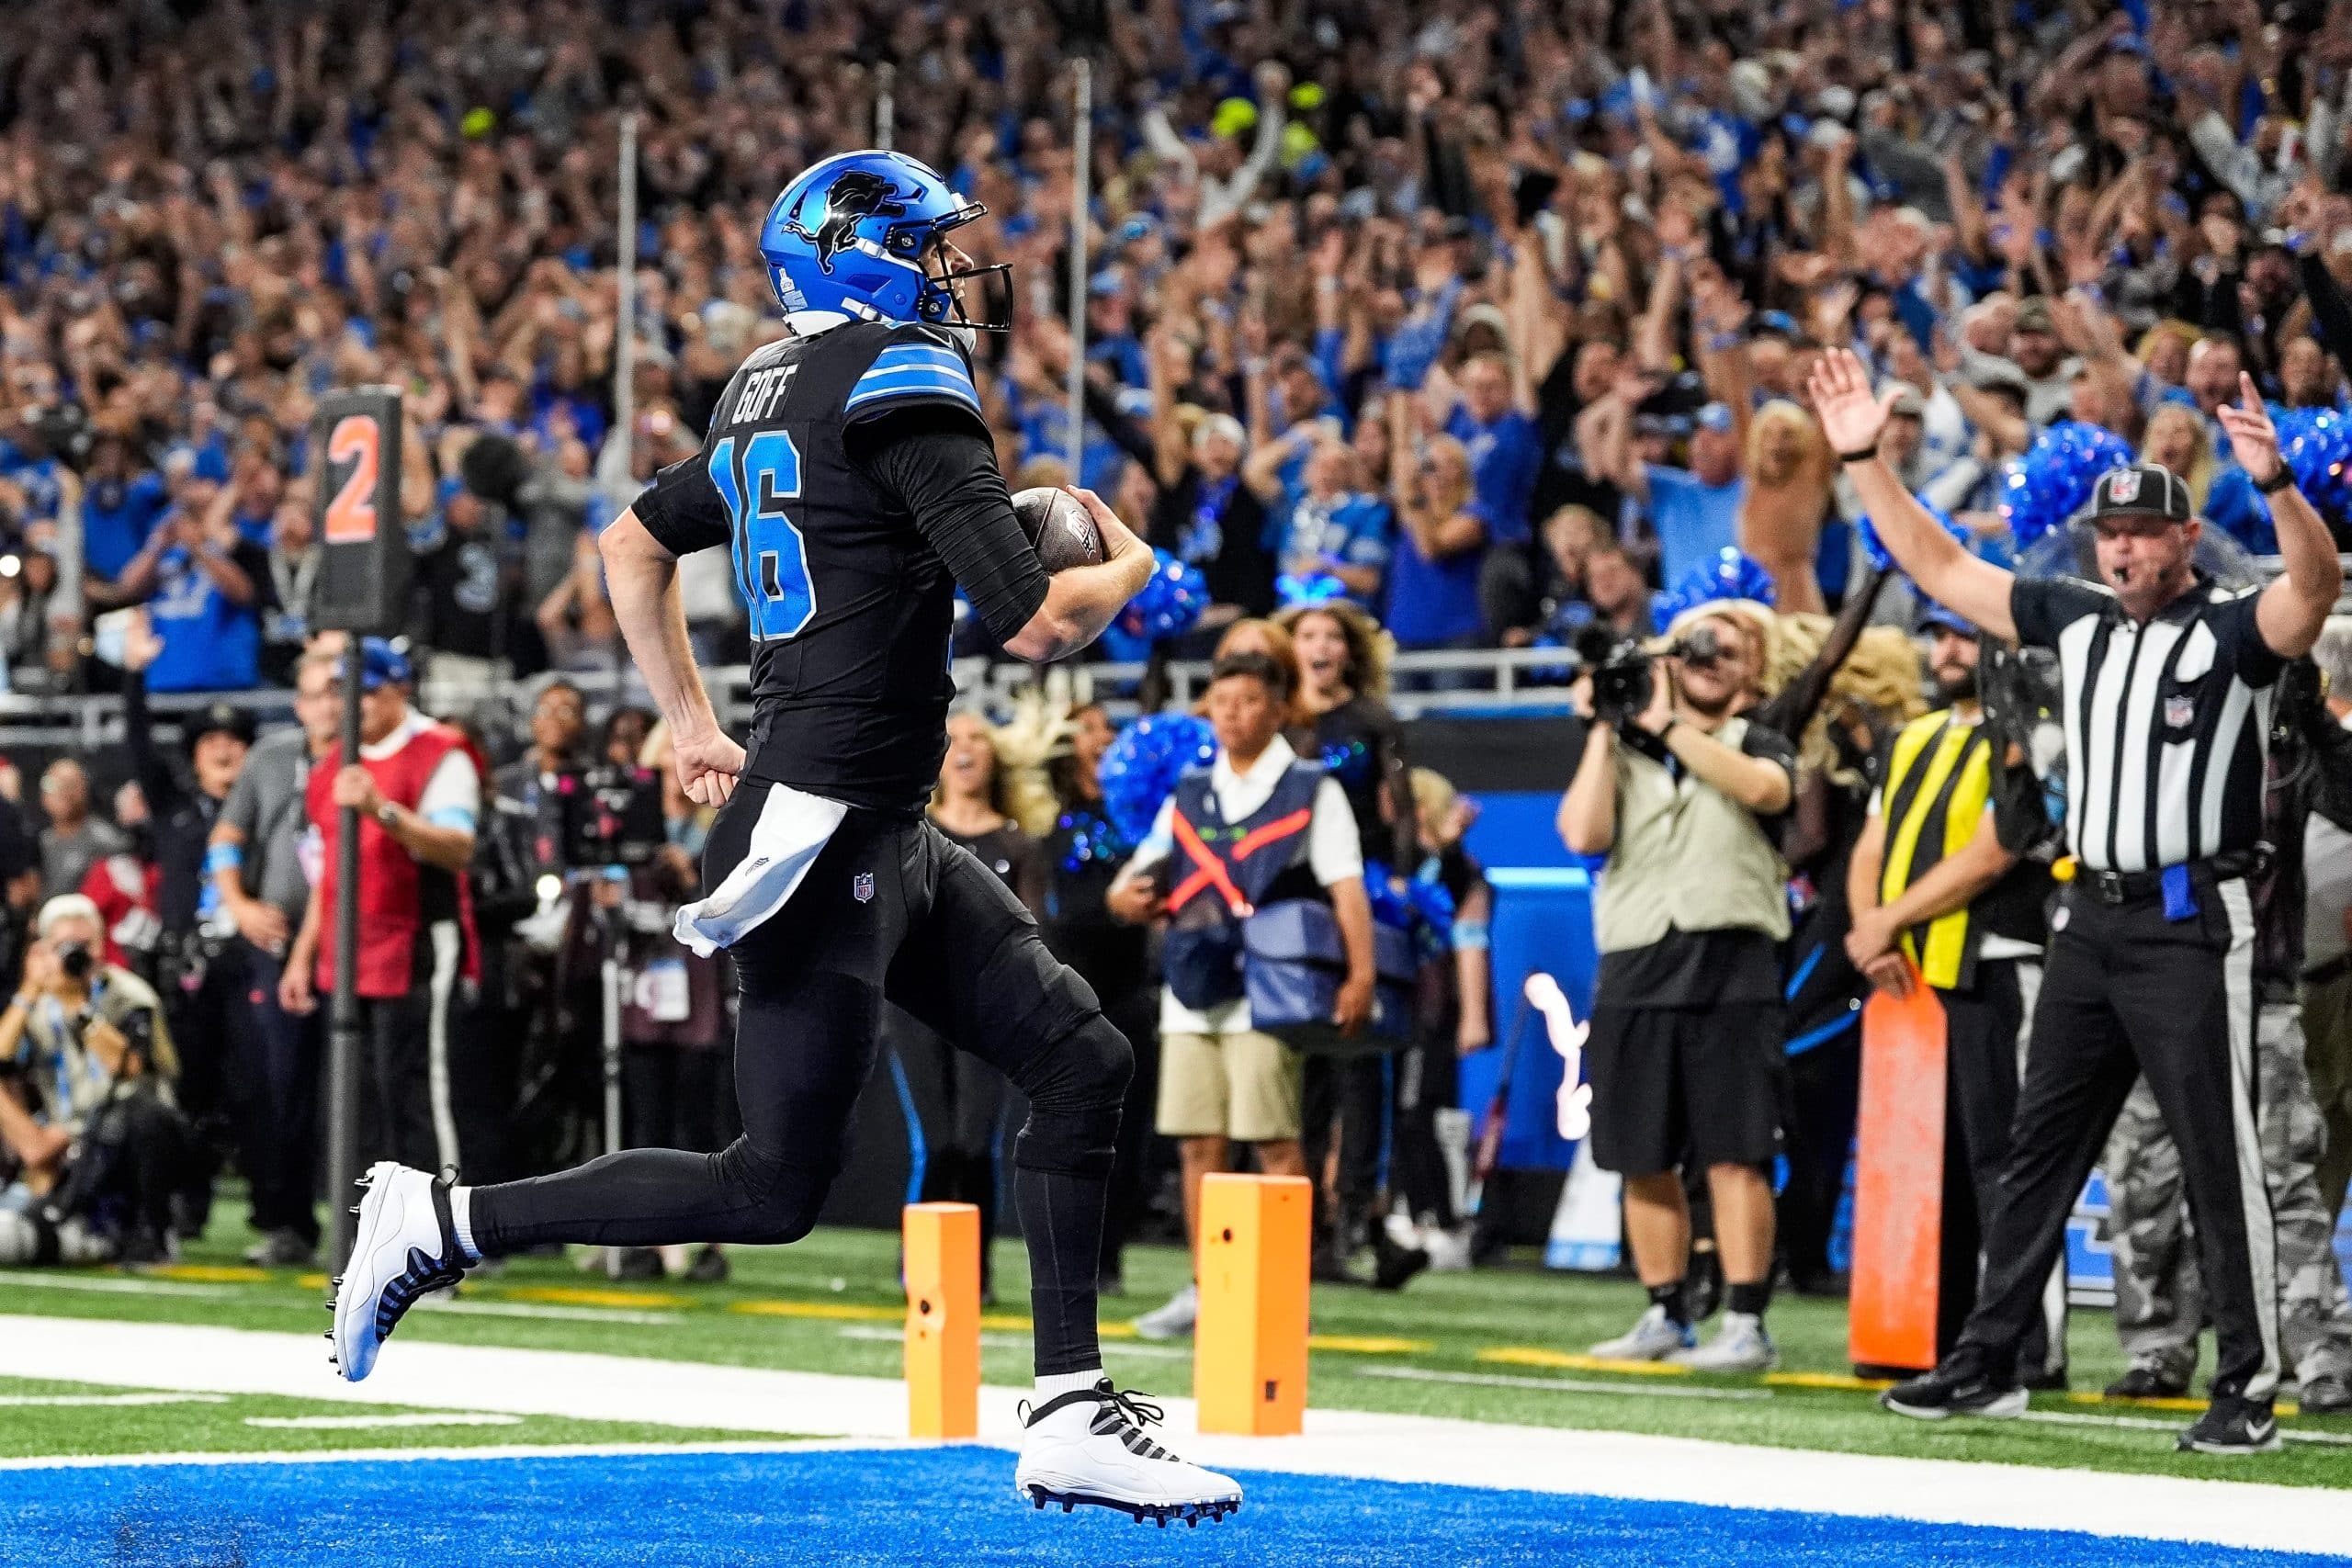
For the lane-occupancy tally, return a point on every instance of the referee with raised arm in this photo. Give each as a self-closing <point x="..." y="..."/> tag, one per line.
<point x="2168" y="682"/>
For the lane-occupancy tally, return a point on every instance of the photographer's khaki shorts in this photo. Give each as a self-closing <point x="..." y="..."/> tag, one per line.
<point x="1245" y="1087"/>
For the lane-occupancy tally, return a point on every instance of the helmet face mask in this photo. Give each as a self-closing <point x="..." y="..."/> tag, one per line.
<point x="862" y="237"/>
<point x="954" y="284"/>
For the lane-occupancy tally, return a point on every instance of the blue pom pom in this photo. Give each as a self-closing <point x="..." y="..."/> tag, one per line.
<point x="1431" y="902"/>
<point x="1729" y="575"/>
<point x="1139" y="769"/>
<point x="1664" y="608"/>
<point x="1875" y="549"/>
<point x="2045" y="489"/>
<point x="2317" y="446"/>
<point x="1314" y="588"/>
<point x="1171" y="602"/>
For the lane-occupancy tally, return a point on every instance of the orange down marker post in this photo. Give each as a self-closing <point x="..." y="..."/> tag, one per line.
<point x="1250" y="1354"/>
<point x="942" y="1320"/>
<point x="1898" y="1182"/>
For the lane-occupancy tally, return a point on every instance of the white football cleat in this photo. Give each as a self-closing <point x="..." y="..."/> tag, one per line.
<point x="1089" y="1446"/>
<point x="1174" y="1320"/>
<point x="1653" y="1338"/>
<point x="1739" y="1346"/>
<point x="405" y="1247"/>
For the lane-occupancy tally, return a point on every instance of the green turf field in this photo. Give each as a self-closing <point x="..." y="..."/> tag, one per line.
<point x="1500" y="1345"/>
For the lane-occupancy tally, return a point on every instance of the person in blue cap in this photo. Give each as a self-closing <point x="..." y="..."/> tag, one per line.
<point x="417" y="787"/>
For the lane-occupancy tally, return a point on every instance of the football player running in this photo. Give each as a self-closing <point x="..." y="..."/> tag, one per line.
<point x="850" y="473"/>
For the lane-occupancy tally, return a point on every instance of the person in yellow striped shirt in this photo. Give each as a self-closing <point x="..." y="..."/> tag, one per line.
<point x="1943" y="894"/>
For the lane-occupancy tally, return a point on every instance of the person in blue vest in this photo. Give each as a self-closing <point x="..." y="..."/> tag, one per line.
<point x="1257" y="826"/>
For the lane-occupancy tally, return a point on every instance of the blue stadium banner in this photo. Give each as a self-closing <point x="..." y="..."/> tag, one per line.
<point x="355" y="445"/>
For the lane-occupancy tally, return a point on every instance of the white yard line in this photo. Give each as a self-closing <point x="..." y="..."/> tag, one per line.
<point x="2154" y="1424"/>
<point x="1559" y="1385"/>
<point x="359" y="1423"/>
<point x="527" y="1309"/>
<point x="12" y="1400"/>
<point x="878" y="1333"/>
<point x="113" y="1284"/>
<point x="1338" y="1442"/>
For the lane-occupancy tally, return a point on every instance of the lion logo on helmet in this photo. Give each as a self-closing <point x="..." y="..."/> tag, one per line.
<point x="853" y="197"/>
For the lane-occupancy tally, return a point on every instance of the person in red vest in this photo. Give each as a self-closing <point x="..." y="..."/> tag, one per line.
<point x="418" y="787"/>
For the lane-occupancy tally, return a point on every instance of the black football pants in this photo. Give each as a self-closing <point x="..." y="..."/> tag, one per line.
<point x="889" y="909"/>
<point x="2125" y="992"/>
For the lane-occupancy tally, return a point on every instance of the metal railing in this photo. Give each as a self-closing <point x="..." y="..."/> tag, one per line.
<point x="1468" y="682"/>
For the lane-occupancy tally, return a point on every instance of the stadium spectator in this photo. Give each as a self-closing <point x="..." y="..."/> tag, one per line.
<point x="254" y="860"/>
<point x="197" y="962"/>
<point x="1082" y="853"/>
<point x="1222" y="1081"/>
<point x="417" y="787"/>
<point x="2327" y="935"/>
<point x="74" y="838"/>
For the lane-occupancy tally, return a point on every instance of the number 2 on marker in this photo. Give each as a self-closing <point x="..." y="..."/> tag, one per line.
<point x="351" y="515"/>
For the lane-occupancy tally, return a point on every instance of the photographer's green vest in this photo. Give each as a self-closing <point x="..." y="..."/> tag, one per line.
<point x="1686" y="857"/>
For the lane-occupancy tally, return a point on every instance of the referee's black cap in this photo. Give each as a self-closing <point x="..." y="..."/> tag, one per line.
<point x="2146" y="490"/>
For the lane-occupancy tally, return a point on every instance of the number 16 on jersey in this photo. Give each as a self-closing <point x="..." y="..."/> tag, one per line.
<point x="756" y="477"/>
<point x="356" y="456"/>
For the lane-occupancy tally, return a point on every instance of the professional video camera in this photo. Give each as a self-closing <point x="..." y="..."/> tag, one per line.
<point x="607" y="816"/>
<point x="1622" y="667"/>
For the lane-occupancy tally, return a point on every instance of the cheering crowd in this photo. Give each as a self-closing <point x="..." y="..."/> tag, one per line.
<point x="1476" y="327"/>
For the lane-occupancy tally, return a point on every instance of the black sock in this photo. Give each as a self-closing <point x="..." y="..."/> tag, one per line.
<point x="1750" y="1298"/>
<point x="1669" y="1296"/>
<point x="1061" y="1221"/>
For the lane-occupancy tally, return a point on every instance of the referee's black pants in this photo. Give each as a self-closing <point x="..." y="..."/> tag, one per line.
<point x="2127" y="991"/>
<point x="1984" y="1031"/>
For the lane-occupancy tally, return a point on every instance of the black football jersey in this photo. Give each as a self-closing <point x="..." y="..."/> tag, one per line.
<point x="850" y="606"/>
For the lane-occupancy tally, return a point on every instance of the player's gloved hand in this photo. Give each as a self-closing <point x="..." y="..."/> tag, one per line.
<point x="708" y="765"/>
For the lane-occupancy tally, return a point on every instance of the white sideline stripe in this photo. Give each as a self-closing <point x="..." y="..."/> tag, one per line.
<point x="114" y="1285"/>
<point x="526" y="1309"/>
<point x="875" y="1331"/>
<point x="14" y="1400"/>
<point x="355" y="1423"/>
<point x="2149" y="1424"/>
<point x="486" y="1450"/>
<point x="1558" y="1385"/>
<point x="1410" y="1449"/>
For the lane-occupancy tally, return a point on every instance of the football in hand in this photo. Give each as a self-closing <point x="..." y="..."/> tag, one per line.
<point x="1060" y="528"/>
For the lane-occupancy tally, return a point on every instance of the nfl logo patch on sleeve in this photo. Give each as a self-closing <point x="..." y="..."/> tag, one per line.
<point x="861" y="887"/>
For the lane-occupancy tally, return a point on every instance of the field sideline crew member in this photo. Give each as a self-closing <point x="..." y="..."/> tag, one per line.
<point x="1943" y="892"/>
<point x="418" y="788"/>
<point x="2168" y="686"/>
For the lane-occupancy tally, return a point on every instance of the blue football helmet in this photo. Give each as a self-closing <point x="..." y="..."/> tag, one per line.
<point x="858" y="237"/>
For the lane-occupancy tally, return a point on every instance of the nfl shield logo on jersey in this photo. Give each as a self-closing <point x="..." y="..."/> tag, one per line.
<point x="2179" y="711"/>
<point x="861" y="887"/>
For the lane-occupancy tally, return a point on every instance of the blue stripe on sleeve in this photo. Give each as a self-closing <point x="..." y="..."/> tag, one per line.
<point x="912" y="383"/>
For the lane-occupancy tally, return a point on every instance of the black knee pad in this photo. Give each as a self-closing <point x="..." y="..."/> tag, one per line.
<point x="780" y="1199"/>
<point x="1076" y="1085"/>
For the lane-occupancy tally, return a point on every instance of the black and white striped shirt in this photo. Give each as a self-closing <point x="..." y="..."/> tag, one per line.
<point x="2166" y="723"/>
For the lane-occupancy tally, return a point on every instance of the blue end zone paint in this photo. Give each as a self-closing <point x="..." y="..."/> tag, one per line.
<point x="941" y="1506"/>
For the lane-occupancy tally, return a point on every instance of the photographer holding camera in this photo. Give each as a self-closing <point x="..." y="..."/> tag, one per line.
<point x="1678" y="791"/>
<point x="106" y="1150"/>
